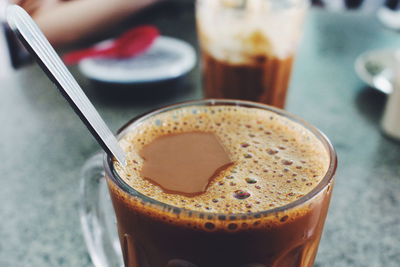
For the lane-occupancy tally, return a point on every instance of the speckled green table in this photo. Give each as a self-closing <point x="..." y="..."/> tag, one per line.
<point x="43" y="145"/>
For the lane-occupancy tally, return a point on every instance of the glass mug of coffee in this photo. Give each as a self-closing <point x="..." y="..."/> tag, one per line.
<point x="248" y="47"/>
<point x="251" y="188"/>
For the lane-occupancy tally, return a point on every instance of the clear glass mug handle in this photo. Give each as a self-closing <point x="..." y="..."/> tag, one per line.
<point x="97" y="215"/>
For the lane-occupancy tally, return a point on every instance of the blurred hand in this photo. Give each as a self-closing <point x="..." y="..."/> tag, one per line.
<point x="67" y="21"/>
<point x="33" y="6"/>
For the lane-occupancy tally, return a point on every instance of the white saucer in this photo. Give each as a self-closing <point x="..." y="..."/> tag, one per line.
<point x="374" y="65"/>
<point x="167" y="59"/>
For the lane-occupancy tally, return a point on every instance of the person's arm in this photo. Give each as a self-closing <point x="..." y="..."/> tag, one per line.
<point x="69" y="21"/>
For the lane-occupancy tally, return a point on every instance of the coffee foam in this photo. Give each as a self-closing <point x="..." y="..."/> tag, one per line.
<point x="238" y="36"/>
<point x="276" y="161"/>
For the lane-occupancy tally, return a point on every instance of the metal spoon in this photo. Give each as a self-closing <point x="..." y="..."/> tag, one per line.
<point x="40" y="48"/>
<point x="383" y="81"/>
<point x="376" y="68"/>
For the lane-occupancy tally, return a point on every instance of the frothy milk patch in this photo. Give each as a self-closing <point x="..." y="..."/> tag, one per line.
<point x="256" y="28"/>
<point x="184" y="163"/>
<point x="275" y="161"/>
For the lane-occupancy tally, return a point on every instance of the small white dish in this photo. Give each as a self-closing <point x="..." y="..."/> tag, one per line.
<point x="376" y="68"/>
<point x="389" y="18"/>
<point x="167" y="59"/>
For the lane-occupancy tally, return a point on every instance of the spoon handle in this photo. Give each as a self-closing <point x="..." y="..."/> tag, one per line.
<point x="40" y="48"/>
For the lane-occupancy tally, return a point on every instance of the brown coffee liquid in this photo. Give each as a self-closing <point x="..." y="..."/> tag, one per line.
<point x="262" y="79"/>
<point x="272" y="162"/>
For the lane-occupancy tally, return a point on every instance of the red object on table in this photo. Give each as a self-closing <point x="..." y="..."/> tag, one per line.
<point x="131" y="43"/>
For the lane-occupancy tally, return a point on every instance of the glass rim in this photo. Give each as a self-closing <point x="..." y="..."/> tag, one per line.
<point x="325" y="181"/>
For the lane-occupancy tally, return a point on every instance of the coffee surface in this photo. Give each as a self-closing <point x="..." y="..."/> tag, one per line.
<point x="275" y="161"/>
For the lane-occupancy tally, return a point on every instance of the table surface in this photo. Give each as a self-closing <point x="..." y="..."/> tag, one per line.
<point x="44" y="145"/>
